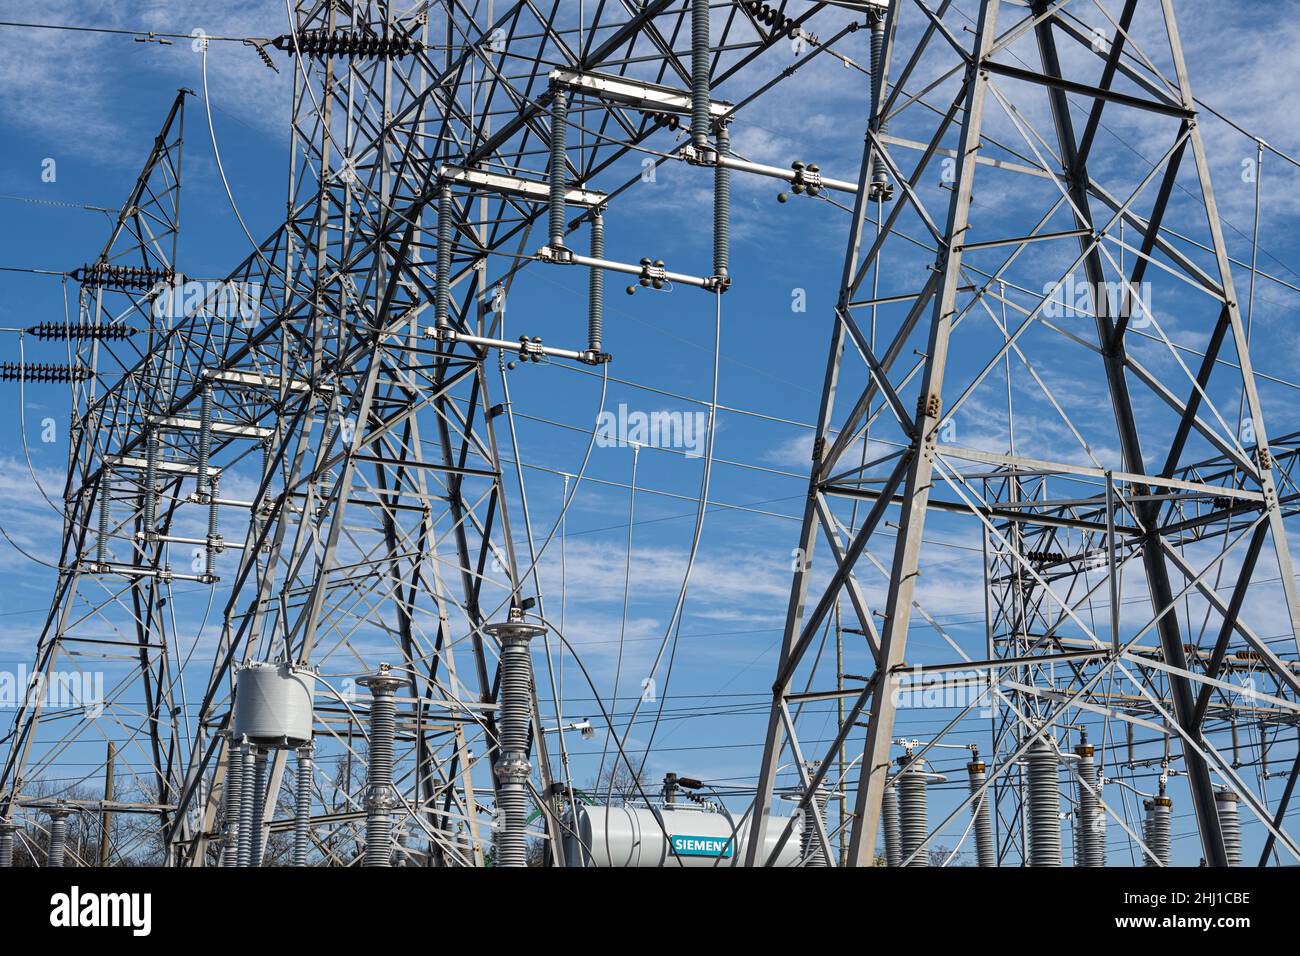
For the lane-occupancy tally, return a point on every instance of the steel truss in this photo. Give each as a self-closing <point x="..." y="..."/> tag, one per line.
<point x="1012" y="100"/>
<point x="328" y="450"/>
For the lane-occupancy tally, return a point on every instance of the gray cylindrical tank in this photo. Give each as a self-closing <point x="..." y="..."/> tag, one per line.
<point x="634" y="837"/>
<point x="273" y="704"/>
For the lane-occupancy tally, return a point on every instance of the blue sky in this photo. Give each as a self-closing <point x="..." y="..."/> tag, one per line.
<point x="93" y="104"/>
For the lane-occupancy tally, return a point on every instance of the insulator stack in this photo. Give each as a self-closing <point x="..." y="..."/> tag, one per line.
<point x="257" y="843"/>
<point x="245" y="847"/>
<point x="354" y="44"/>
<point x="73" y="331"/>
<point x="380" y="797"/>
<point x="1089" y="849"/>
<point x="56" y="854"/>
<point x="151" y="480"/>
<point x="302" y="807"/>
<point x="596" y="285"/>
<point x="7" y="829"/>
<point x="880" y="188"/>
<point x="811" y="851"/>
<point x="442" y="280"/>
<point x="105" y="501"/>
<point x="1157" y="830"/>
<point x="512" y="766"/>
<point x="557" y="169"/>
<point x="913" y="812"/>
<point x="214" y="536"/>
<point x="722" y="212"/>
<point x="205" y="438"/>
<point x="43" y="373"/>
<point x="1044" y="804"/>
<point x="985" y="852"/>
<point x="700" y="74"/>
<point x="124" y="278"/>
<point x="233" y="798"/>
<point x="889" y="823"/>
<point x="1229" y="824"/>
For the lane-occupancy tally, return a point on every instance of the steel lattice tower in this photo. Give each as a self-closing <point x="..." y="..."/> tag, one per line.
<point x="1011" y="98"/>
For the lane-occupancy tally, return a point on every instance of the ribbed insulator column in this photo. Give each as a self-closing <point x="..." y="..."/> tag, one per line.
<point x="442" y="277"/>
<point x="596" y="285"/>
<point x="722" y="210"/>
<point x="244" y="853"/>
<point x="257" y="843"/>
<point x="214" y="536"/>
<point x="205" y="438"/>
<point x="58" y="839"/>
<point x="1157" y="831"/>
<point x="380" y="798"/>
<point x="985" y="852"/>
<point x="7" y="829"/>
<point x="889" y="823"/>
<point x="810" y="845"/>
<point x="913" y="815"/>
<point x="1044" y="804"/>
<point x="232" y="797"/>
<point x="700" y="74"/>
<point x="558" y="167"/>
<point x="151" y="480"/>
<point x="1229" y="824"/>
<point x="514" y="723"/>
<point x="105" y="502"/>
<point x="302" y="807"/>
<point x="1088" y="850"/>
<point x="879" y="173"/>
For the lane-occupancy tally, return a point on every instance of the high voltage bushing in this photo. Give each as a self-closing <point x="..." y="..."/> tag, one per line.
<point x="104" y="332"/>
<point x="811" y="851"/>
<point x="1157" y="832"/>
<point x="889" y="823"/>
<point x="257" y="843"/>
<point x="985" y="851"/>
<point x="722" y="212"/>
<point x="1229" y="824"/>
<point x="1090" y="846"/>
<point x="7" y="830"/>
<point x="105" y="500"/>
<point x="557" y="168"/>
<point x="150" y="479"/>
<point x="205" y="437"/>
<point x="514" y="722"/>
<point x="43" y="373"/>
<point x="1044" y="804"/>
<point x="233" y="798"/>
<point x="356" y="43"/>
<point x="442" y="280"/>
<point x="700" y="103"/>
<point x="215" y="541"/>
<point x="244" y="848"/>
<point x="380" y="797"/>
<point x="596" y="284"/>
<point x="55" y="855"/>
<point x="302" y="807"/>
<point x="911" y="781"/>
<point x="126" y="278"/>
<point x="880" y="187"/>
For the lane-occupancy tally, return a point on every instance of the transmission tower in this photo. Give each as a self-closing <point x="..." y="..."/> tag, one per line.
<point x="953" y="316"/>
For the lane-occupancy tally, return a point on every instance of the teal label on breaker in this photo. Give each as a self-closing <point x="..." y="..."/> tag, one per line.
<point x="702" y="846"/>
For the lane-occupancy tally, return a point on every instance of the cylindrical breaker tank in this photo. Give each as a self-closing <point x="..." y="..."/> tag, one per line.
<point x="273" y="704"/>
